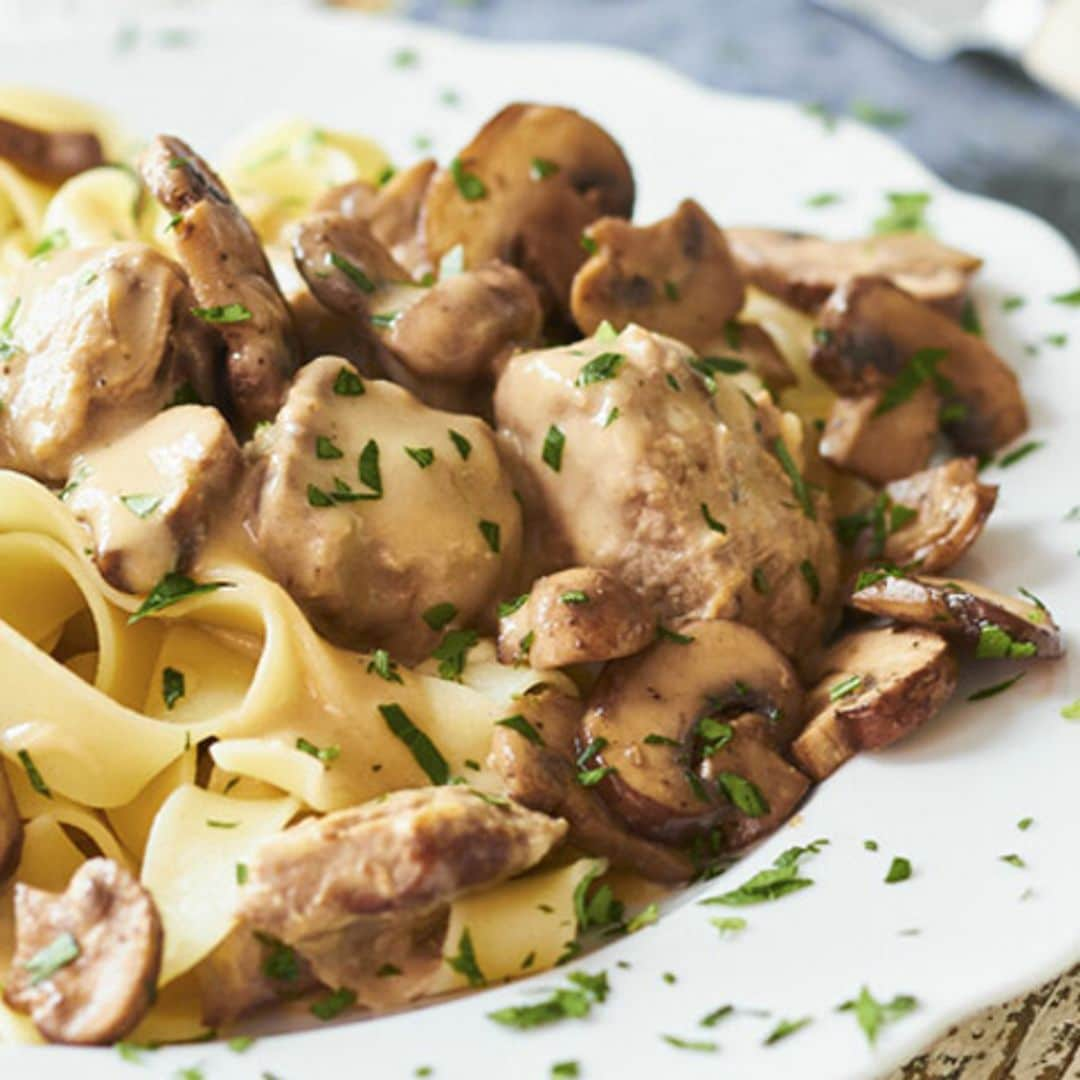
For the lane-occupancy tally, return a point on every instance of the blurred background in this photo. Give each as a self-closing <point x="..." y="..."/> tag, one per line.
<point x="986" y="92"/>
<point x="978" y="118"/>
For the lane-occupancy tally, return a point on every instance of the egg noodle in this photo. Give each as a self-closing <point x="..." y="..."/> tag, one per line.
<point x="102" y="762"/>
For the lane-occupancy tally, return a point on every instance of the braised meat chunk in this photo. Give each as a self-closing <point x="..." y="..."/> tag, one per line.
<point x="149" y="497"/>
<point x="99" y="340"/>
<point x="230" y="275"/>
<point x="400" y="508"/>
<point x="641" y="463"/>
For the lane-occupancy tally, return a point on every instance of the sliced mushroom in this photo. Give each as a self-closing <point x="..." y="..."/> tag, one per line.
<point x="676" y="277"/>
<point x="457" y="331"/>
<point x="523" y="191"/>
<point x="950" y="508"/>
<point x="875" y="337"/>
<point x="540" y="773"/>
<point x="49" y="156"/>
<point x="392" y="212"/>
<point x="87" y="960"/>
<point x="11" y="829"/>
<point x="803" y="270"/>
<point x="671" y="724"/>
<point x="230" y="276"/>
<point x="878" y="686"/>
<point x="998" y="626"/>
<point x="577" y="616"/>
<point x="885" y="446"/>
<point x="397" y="855"/>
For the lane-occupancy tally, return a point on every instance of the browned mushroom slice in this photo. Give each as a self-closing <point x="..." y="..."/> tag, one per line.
<point x="676" y="277"/>
<point x="803" y="270"/>
<point x="881" y="447"/>
<point x="663" y="725"/>
<point x="875" y="337"/>
<point x="524" y="190"/>
<point x="998" y="626"/>
<point x="87" y="960"/>
<point x="537" y="768"/>
<point x="399" y="854"/>
<point x="11" y="829"/>
<point x="49" y="156"/>
<point x="230" y="276"/>
<point x="950" y="508"/>
<point x="878" y="686"/>
<point x="576" y="616"/>
<point x="456" y="331"/>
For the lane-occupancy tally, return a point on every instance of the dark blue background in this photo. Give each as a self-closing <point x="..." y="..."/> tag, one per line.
<point x="977" y="121"/>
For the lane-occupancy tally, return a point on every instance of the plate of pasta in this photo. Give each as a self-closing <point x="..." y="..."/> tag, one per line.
<point x="498" y="567"/>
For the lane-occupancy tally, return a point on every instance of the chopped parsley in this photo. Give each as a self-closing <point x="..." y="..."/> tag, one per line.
<point x="845" y="687"/>
<point x="508" y="607"/>
<point x="381" y="665"/>
<point x="279" y="961"/>
<point x="348" y="383"/>
<point x="318" y="498"/>
<point x="899" y="870"/>
<point x="1013" y="860"/>
<point x="711" y="1019"/>
<point x="799" y="486"/>
<point x="1071" y="711"/>
<point x="171" y="589"/>
<point x="217" y="823"/>
<point x="1070" y="299"/>
<point x="422" y="455"/>
<point x="241" y="873"/>
<point x="423" y="750"/>
<point x="368" y="468"/>
<point x="465" y="961"/>
<point x="759" y="581"/>
<point x="810" y="576"/>
<point x="222" y="313"/>
<point x="969" y="318"/>
<point x="351" y="271"/>
<point x="46" y="962"/>
<point x="600" y="369"/>
<point x="326" y="449"/>
<point x="872" y="1014"/>
<point x="671" y="290"/>
<point x="56" y="240"/>
<point x="876" y="116"/>
<point x="240" y="1044"/>
<point x="541" y="168"/>
<point x="786" y="1028"/>
<point x="518" y="723"/>
<point x="574" y="597"/>
<point x="666" y="634"/>
<point x="716" y="526"/>
<point x="773" y="883"/>
<point x="334" y="1004"/>
<point x="744" y="794"/>
<point x="1011" y="303"/>
<point x="491" y="533"/>
<point x="704" y="1045"/>
<point x="647" y="916"/>
<point x="552" y="452"/>
<point x="822" y="199"/>
<point x="728" y="924"/>
<point x="565" y="1070"/>
<point x="997" y="688"/>
<point x="463" y="446"/>
<point x="470" y="186"/>
<point x="589" y="245"/>
<point x="1021" y="452"/>
<point x="142" y="506"/>
<point x="996" y="644"/>
<point x="821" y="112"/>
<point x="1025" y="823"/>
<point x="573" y="1002"/>
<point x="325" y="754"/>
<point x="906" y="213"/>
<point x="592" y="777"/>
<point x="452" y="652"/>
<point x="612" y="416"/>
<point x="920" y="368"/>
<point x="438" y="615"/>
<point x="172" y="686"/>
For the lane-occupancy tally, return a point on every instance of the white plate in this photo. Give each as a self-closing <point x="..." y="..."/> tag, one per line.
<point x="948" y="799"/>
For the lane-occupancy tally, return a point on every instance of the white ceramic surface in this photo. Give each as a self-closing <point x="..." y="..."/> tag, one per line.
<point x="948" y="799"/>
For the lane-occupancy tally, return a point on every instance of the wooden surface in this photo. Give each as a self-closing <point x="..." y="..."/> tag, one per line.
<point x="1034" y="1037"/>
